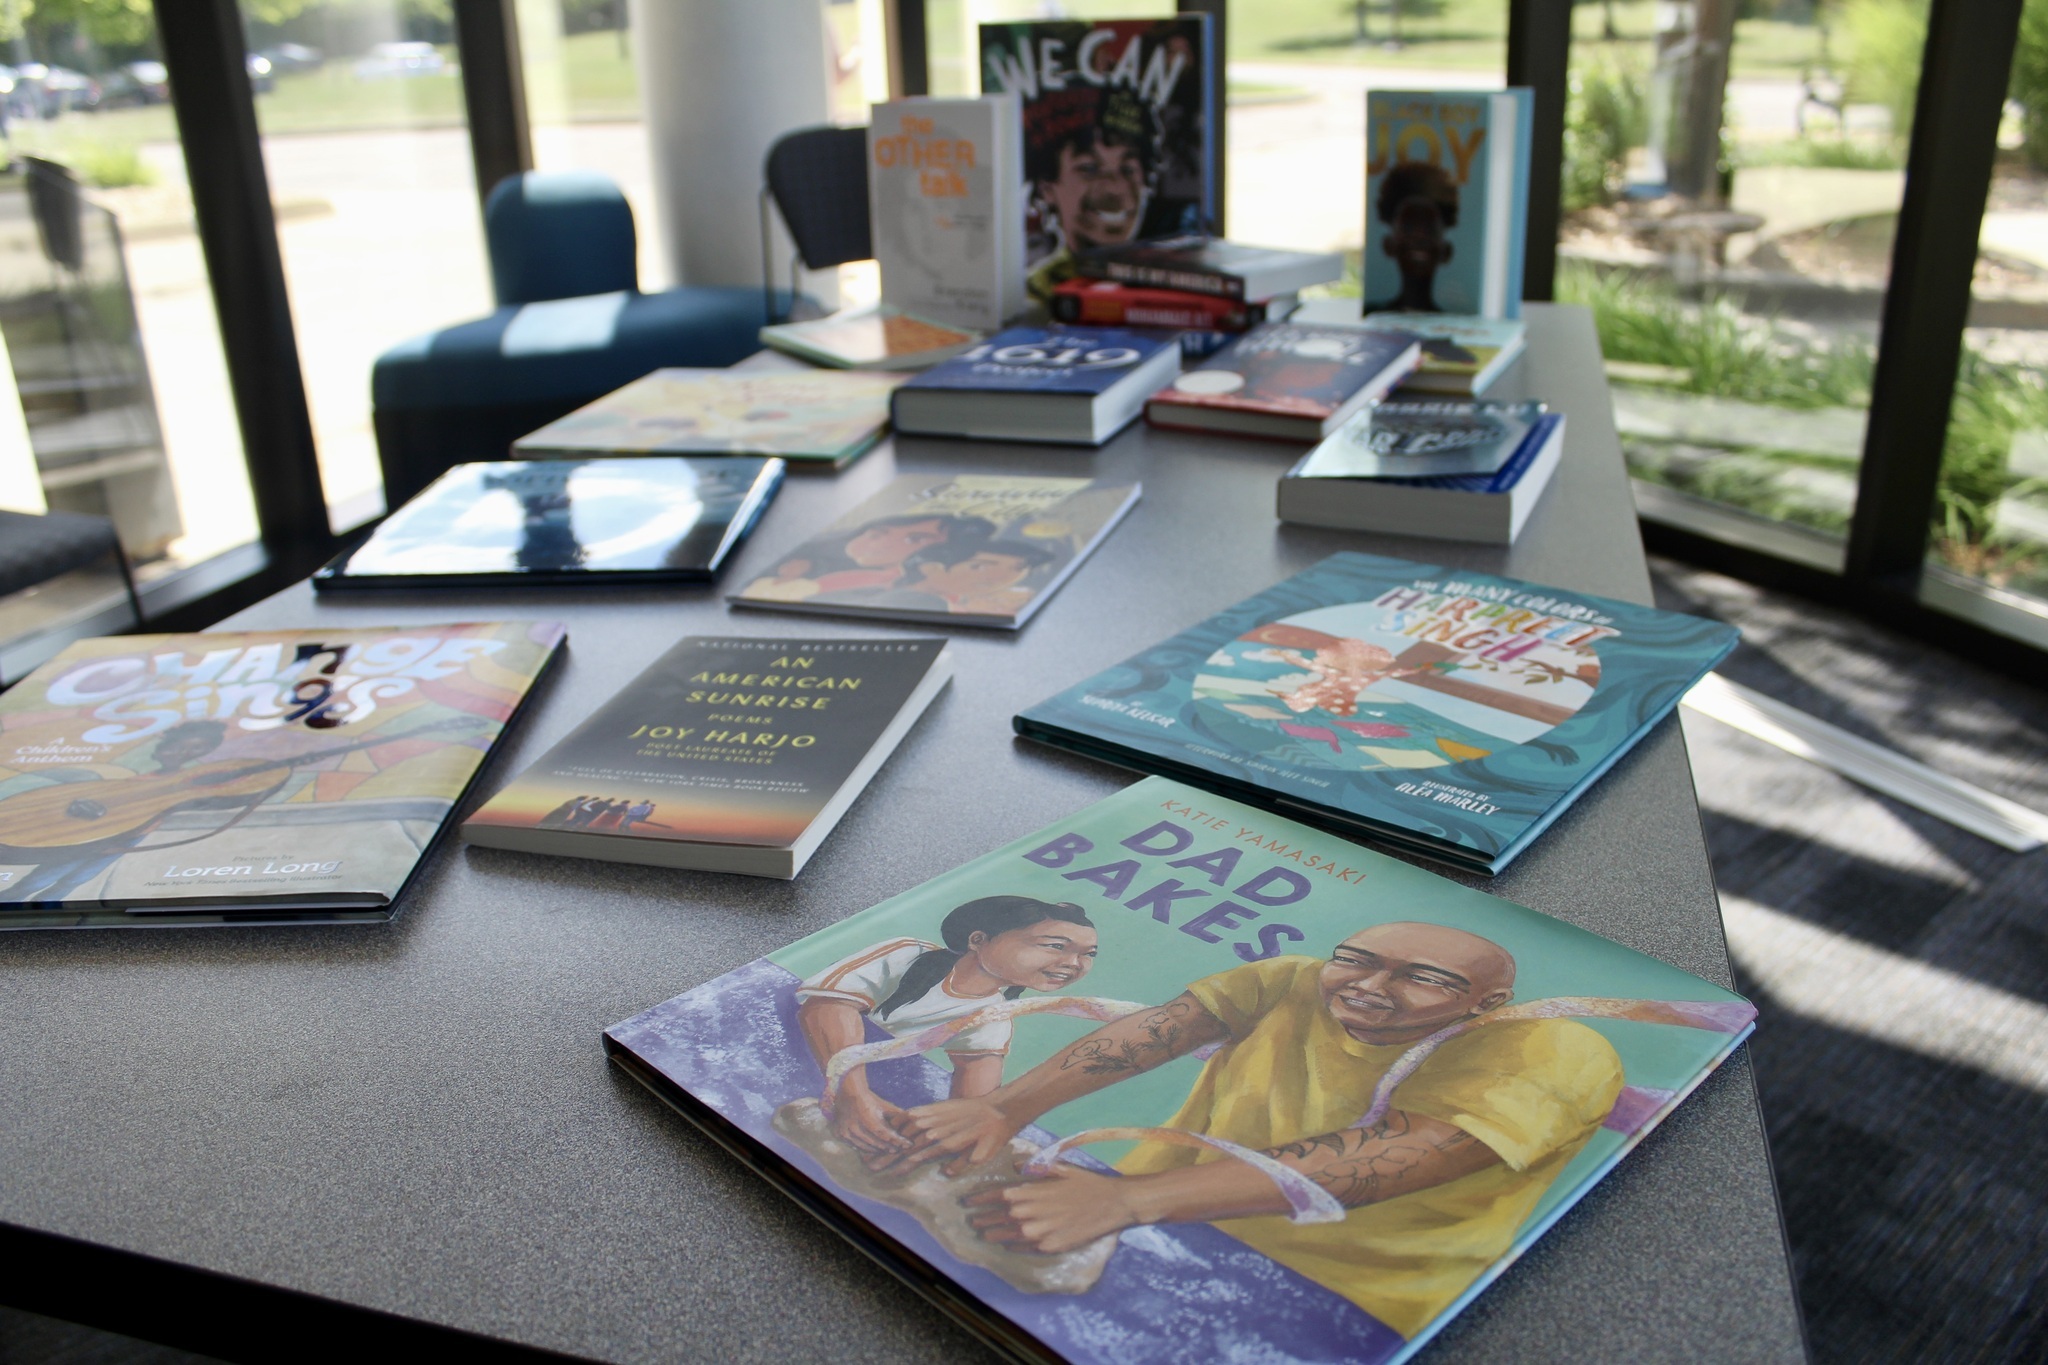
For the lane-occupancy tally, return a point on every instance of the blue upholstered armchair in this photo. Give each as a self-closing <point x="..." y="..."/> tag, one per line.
<point x="571" y="325"/>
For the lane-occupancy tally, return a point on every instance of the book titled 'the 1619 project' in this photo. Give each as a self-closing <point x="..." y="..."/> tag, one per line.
<point x="1175" y="1079"/>
<point x="270" y="777"/>
<point x="729" y="754"/>
<point x="1451" y="714"/>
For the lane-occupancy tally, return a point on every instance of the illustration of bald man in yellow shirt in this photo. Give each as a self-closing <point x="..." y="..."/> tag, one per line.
<point x="1433" y="1191"/>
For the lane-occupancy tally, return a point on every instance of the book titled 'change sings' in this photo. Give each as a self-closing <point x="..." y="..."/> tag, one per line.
<point x="1176" y="1079"/>
<point x="727" y="755"/>
<point x="261" y="777"/>
<point x="1451" y="714"/>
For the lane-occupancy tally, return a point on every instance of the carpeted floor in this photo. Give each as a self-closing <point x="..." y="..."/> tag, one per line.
<point x="1901" y="967"/>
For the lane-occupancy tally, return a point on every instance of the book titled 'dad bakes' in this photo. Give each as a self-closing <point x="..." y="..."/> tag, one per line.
<point x="727" y="755"/>
<point x="1451" y="714"/>
<point x="647" y="519"/>
<point x="1078" y="385"/>
<point x="1290" y="381"/>
<point x="826" y="417"/>
<point x="1175" y="1080"/>
<point x="966" y="549"/>
<point x="263" y="777"/>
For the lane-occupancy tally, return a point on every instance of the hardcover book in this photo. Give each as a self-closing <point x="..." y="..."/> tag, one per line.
<point x="1345" y="483"/>
<point x="728" y="754"/>
<point x="825" y="417"/>
<point x="262" y="777"/>
<point x="1120" y="131"/>
<point x="1200" y="264"/>
<point x="1107" y="303"/>
<point x="1176" y="1079"/>
<point x="879" y="338"/>
<point x="1446" y="200"/>
<point x="650" y="519"/>
<point x="970" y="549"/>
<point x="1451" y="714"/>
<point x="1290" y="381"/>
<point x="1460" y="355"/>
<point x="943" y="178"/>
<point x="1078" y="385"/>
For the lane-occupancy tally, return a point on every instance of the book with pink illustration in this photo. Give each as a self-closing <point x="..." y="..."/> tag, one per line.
<point x="1178" y="1079"/>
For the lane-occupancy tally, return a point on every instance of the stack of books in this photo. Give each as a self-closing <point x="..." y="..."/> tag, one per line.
<point x="1208" y="289"/>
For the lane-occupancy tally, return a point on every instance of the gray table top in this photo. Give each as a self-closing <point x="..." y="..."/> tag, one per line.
<point x="418" y="1117"/>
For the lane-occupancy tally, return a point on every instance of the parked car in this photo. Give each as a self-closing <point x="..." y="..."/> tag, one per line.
<point x="42" y="91"/>
<point x="135" y="83"/>
<point x="260" y="79"/>
<point x="286" y="58"/>
<point x="388" y="60"/>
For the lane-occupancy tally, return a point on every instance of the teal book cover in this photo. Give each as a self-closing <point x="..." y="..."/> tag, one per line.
<point x="1178" y="1079"/>
<point x="1446" y="201"/>
<point x="1452" y="713"/>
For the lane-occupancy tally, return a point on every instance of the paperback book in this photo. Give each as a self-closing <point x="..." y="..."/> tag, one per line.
<point x="261" y="777"/>
<point x="1451" y="714"/>
<point x="727" y="755"/>
<point x="879" y="338"/>
<point x="1177" y="1079"/>
<point x="1106" y="303"/>
<point x="967" y="549"/>
<point x="1396" y="468"/>
<point x="1120" y="131"/>
<point x="1199" y="264"/>
<point x="1460" y="355"/>
<point x="944" y="204"/>
<point x="821" y="417"/>
<point x="650" y="518"/>
<point x="1071" y="385"/>
<point x="1447" y="200"/>
<point x="1290" y="381"/>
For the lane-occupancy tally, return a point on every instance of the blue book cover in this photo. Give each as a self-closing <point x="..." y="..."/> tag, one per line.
<point x="1359" y="1091"/>
<point x="1452" y="713"/>
<point x="1075" y="360"/>
<point x="1290" y="369"/>
<point x="1428" y="441"/>
<point x="1447" y="180"/>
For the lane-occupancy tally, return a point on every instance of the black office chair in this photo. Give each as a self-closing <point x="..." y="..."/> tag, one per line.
<point x="818" y="179"/>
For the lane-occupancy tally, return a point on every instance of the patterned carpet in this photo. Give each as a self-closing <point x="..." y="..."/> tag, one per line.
<point x="1901" y="966"/>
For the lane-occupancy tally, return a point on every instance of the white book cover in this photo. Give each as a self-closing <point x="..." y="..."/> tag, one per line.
<point x="943" y="177"/>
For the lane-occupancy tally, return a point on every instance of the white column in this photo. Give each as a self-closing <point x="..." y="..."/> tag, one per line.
<point x="721" y="80"/>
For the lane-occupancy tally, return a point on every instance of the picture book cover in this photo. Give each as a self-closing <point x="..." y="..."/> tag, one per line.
<point x="1176" y="1079"/>
<point x="828" y="416"/>
<point x="723" y="741"/>
<point x="1411" y="440"/>
<point x="879" y="338"/>
<point x="1446" y="190"/>
<point x="1290" y="369"/>
<point x="945" y="205"/>
<point x="1459" y="354"/>
<point x="266" y="776"/>
<point x="1120" y="136"/>
<point x="1450" y="712"/>
<point x="976" y="549"/>
<point x="650" y="518"/>
<point x="1066" y="360"/>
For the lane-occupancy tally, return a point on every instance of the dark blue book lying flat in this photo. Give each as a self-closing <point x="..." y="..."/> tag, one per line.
<point x="1079" y="385"/>
<point x="1451" y="714"/>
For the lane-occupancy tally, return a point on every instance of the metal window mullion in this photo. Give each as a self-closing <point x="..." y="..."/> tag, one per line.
<point x="1539" y="56"/>
<point x="207" y="57"/>
<point x="493" y="90"/>
<point x="1219" y="95"/>
<point x="910" y="66"/>
<point x="1927" y="303"/>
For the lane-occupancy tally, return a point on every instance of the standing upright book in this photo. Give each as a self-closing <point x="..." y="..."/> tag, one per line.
<point x="728" y="754"/>
<point x="256" y="777"/>
<point x="1077" y="385"/>
<point x="1451" y="714"/>
<point x="1176" y="1079"/>
<point x="647" y="519"/>
<point x="943" y="201"/>
<point x="967" y="549"/>
<point x="1289" y="381"/>
<point x="1121" y="131"/>
<point x="827" y="417"/>
<point x="1446" y="200"/>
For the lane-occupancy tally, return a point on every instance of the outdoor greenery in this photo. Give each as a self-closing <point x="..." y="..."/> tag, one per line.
<point x="109" y="165"/>
<point x="1606" y="114"/>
